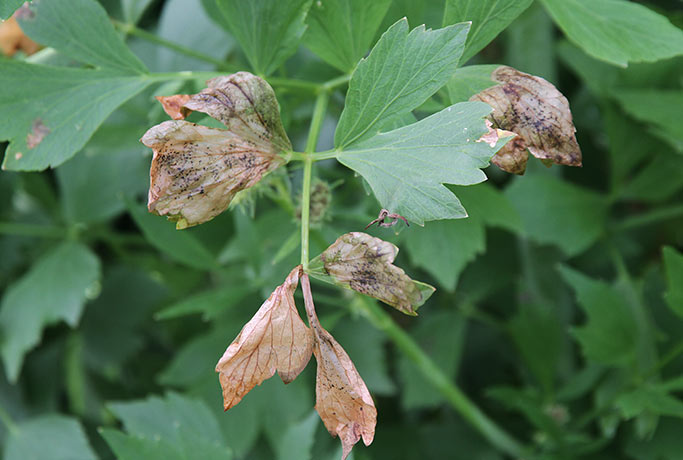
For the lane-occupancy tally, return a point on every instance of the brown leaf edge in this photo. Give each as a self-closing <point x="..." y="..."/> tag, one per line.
<point x="275" y="339"/>
<point x="342" y="398"/>
<point x="538" y="113"/>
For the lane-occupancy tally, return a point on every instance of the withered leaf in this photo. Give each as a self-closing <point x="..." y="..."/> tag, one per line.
<point x="538" y="113"/>
<point x="274" y="339"/>
<point x="13" y="39"/>
<point x="196" y="171"/>
<point x="174" y="105"/>
<point x="364" y="263"/>
<point x="342" y="399"/>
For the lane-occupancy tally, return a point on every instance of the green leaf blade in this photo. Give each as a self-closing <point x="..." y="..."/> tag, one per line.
<point x="49" y="437"/>
<point x="82" y="30"/>
<point x="55" y="289"/>
<point x="673" y="264"/>
<point x="617" y="31"/>
<point x="268" y="31"/>
<point x="407" y="167"/>
<point x="609" y="335"/>
<point x="489" y="18"/>
<point x="341" y="31"/>
<point x="8" y="7"/>
<point x="49" y="113"/>
<point x="401" y="72"/>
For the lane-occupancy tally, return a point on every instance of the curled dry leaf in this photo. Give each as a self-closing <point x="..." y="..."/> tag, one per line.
<point x="364" y="263"/>
<point x="274" y="339"/>
<point x="174" y="106"/>
<point x="13" y="39"/>
<point x="538" y="113"/>
<point x="196" y="171"/>
<point x="342" y="399"/>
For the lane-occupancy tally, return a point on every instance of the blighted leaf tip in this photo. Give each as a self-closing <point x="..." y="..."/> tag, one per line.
<point x="534" y="110"/>
<point x="196" y="171"/>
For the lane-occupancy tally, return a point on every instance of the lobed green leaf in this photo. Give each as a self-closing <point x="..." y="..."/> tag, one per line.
<point x="401" y="72"/>
<point x="489" y="18"/>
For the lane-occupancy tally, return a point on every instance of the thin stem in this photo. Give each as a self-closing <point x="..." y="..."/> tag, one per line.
<point x="336" y="82"/>
<point x="294" y="84"/>
<point x="311" y="142"/>
<point x="670" y="355"/>
<point x="650" y="218"/>
<point x="325" y="155"/>
<point x="432" y="373"/>
<point x="6" y="420"/>
<point x="182" y="75"/>
<point x="40" y="231"/>
<point x="131" y="29"/>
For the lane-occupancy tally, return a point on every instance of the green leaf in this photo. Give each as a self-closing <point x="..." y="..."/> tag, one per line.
<point x="653" y="181"/>
<point x="268" y="31"/>
<point x="530" y="44"/>
<point x="199" y="33"/>
<point x="469" y="81"/>
<point x="175" y="427"/>
<point x="55" y="289"/>
<point x="673" y="265"/>
<point x="111" y="325"/>
<point x="650" y="399"/>
<point x="559" y="213"/>
<point x="82" y="30"/>
<point x="659" y="108"/>
<point x="210" y="303"/>
<point x="92" y="185"/>
<point x="297" y="441"/>
<point x="489" y="18"/>
<point x="7" y="7"/>
<point x="133" y="10"/>
<point x="402" y="71"/>
<point x="341" y="31"/>
<point x="49" y="113"/>
<point x="48" y="437"/>
<point x="665" y="444"/>
<point x="537" y="333"/>
<point x="460" y="241"/>
<point x="617" y="31"/>
<point x="180" y="246"/>
<point x="407" y="167"/>
<point x="609" y="336"/>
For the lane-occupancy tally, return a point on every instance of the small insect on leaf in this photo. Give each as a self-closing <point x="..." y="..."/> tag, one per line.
<point x="538" y="113"/>
<point x="364" y="263"/>
<point x="196" y="171"/>
<point x="342" y="398"/>
<point x="275" y="339"/>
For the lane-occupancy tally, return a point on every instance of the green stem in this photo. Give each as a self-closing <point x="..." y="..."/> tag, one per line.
<point x="293" y="84"/>
<point x="74" y="376"/>
<point x="6" y="420"/>
<point x="335" y="82"/>
<point x="130" y="29"/>
<point x="41" y="231"/>
<point x="432" y="373"/>
<point x="311" y="142"/>
<point x="650" y="218"/>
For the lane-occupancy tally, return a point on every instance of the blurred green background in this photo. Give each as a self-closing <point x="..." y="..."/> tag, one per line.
<point x="558" y="304"/>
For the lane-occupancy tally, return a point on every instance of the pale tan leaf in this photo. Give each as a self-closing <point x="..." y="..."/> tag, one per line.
<point x="275" y="339"/>
<point x="174" y="105"/>
<point x="537" y="112"/>
<point x="196" y="171"/>
<point x="342" y="399"/>
<point x="364" y="263"/>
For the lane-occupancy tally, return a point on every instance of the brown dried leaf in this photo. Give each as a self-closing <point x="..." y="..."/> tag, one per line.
<point x="364" y="263"/>
<point x="13" y="39"/>
<point x="274" y="339"/>
<point x="196" y="171"/>
<point x="173" y="105"/>
<point x="342" y="399"/>
<point x="537" y="112"/>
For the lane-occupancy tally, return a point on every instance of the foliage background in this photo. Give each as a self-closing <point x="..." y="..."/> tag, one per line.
<point x="558" y="304"/>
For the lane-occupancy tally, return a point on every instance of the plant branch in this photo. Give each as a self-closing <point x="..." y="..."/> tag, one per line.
<point x="460" y="402"/>
<point x="130" y="29"/>
<point x="650" y="218"/>
<point x="40" y="231"/>
<point x="311" y="142"/>
<point x="6" y="420"/>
